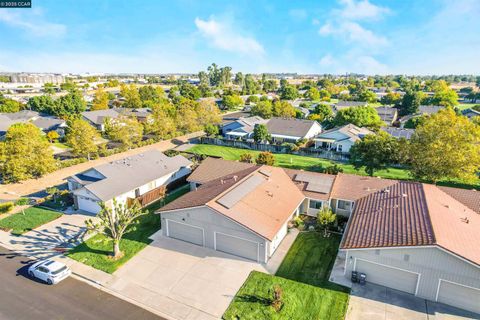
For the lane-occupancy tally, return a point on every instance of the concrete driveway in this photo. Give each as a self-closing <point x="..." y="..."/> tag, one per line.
<point x="376" y="302"/>
<point x="40" y="243"/>
<point x="183" y="280"/>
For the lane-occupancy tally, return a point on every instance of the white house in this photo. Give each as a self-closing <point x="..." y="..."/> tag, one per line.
<point x="340" y="139"/>
<point x="141" y="177"/>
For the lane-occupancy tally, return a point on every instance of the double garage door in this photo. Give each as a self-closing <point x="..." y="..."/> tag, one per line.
<point x="458" y="295"/>
<point x="222" y="242"/>
<point x="389" y="277"/>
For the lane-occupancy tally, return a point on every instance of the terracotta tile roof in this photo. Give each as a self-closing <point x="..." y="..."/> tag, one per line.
<point x="397" y="217"/>
<point x="213" y="168"/>
<point x="456" y="227"/>
<point x="302" y="186"/>
<point x="268" y="207"/>
<point x="353" y="187"/>
<point x="207" y="191"/>
<point x="414" y="214"/>
<point x="470" y="198"/>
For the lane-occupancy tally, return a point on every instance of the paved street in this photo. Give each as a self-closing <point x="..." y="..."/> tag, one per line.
<point x="24" y="298"/>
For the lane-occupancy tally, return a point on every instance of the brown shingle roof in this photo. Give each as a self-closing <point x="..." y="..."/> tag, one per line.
<point x="213" y="168"/>
<point x="398" y="217"/>
<point x="353" y="187"/>
<point x="470" y="198"/>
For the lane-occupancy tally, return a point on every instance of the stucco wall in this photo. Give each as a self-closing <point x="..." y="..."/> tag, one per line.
<point x="431" y="263"/>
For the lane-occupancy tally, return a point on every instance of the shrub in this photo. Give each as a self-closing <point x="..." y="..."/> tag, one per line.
<point x="265" y="158"/>
<point x="333" y="169"/>
<point x="291" y="147"/>
<point x="246" y="157"/>
<point x="6" y="207"/>
<point x="171" y="153"/>
<point x="71" y="162"/>
<point x="22" y="202"/>
<point x="277" y="301"/>
<point x="298" y="223"/>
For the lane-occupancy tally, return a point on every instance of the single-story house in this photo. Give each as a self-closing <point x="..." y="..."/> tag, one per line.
<point x="347" y="104"/>
<point x="422" y="110"/>
<point x="340" y="139"/>
<point x="399" y="132"/>
<point x="242" y="128"/>
<point x="141" y="177"/>
<point x="97" y="118"/>
<point x="292" y="130"/>
<point x="387" y="114"/>
<point x="245" y="214"/>
<point x="471" y="113"/>
<point x="43" y="122"/>
<point x="418" y="238"/>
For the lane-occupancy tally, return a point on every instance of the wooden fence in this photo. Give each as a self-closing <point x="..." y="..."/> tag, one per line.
<point x="309" y="152"/>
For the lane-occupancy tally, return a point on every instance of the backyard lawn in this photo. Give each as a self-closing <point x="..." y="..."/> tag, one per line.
<point x="303" y="276"/>
<point x="29" y="219"/>
<point x="96" y="251"/>
<point x="294" y="161"/>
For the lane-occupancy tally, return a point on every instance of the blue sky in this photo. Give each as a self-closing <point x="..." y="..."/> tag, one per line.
<point x="156" y="36"/>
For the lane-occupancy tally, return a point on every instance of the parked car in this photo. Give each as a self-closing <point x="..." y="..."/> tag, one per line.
<point x="50" y="271"/>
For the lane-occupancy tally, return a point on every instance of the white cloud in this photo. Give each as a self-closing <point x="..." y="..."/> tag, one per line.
<point x="327" y="61"/>
<point x="298" y="14"/>
<point x="363" y="9"/>
<point x="222" y="36"/>
<point x="353" y="32"/>
<point x="352" y="61"/>
<point x="32" y="22"/>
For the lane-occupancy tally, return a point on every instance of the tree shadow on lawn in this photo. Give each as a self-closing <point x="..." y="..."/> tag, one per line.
<point x="85" y="248"/>
<point x="251" y="298"/>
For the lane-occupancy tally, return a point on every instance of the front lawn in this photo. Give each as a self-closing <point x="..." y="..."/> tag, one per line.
<point x="309" y="260"/>
<point x="96" y="251"/>
<point x="294" y="161"/>
<point x="29" y="219"/>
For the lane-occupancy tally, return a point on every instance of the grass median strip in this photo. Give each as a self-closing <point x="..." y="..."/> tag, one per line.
<point x="96" y="251"/>
<point x="28" y="219"/>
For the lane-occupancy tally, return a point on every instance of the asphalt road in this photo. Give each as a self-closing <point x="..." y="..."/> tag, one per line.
<point x="24" y="298"/>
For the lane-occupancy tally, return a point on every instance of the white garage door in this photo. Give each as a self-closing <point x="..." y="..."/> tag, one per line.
<point x="185" y="232"/>
<point x="387" y="276"/>
<point x="237" y="246"/>
<point x="88" y="205"/>
<point x="459" y="296"/>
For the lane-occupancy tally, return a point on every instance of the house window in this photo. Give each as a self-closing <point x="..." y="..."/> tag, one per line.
<point x="339" y="148"/>
<point x="315" y="204"/>
<point x="343" y="205"/>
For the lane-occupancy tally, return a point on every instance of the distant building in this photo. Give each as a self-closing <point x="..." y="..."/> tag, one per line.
<point x="97" y="118"/>
<point x="347" y="104"/>
<point x="44" y="123"/>
<point x="36" y="78"/>
<point x="399" y="132"/>
<point x="340" y="139"/>
<point x="387" y="114"/>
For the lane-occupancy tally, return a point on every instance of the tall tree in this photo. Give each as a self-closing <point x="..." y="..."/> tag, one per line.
<point x="25" y="153"/>
<point x="260" y="133"/>
<point x="151" y="93"/>
<point x="359" y="116"/>
<point x="114" y="222"/>
<point x="283" y="109"/>
<point x="42" y="104"/>
<point x="232" y="102"/>
<point x="71" y="104"/>
<point x="100" y="100"/>
<point x="374" y="152"/>
<point x="239" y="79"/>
<point x="288" y="92"/>
<point x="82" y="138"/>
<point x="49" y="88"/>
<point x="411" y="101"/>
<point x="312" y="94"/>
<point x="131" y="96"/>
<point x="126" y="130"/>
<point x="262" y="109"/>
<point x="445" y="146"/>
<point x="322" y="111"/>
<point x="163" y="121"/>
<point x="208" y="113"/>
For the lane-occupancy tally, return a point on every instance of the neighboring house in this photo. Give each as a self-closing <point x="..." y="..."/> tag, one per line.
<point x="387" y="114"/>
<point x="242" y="128"/>
<point x="399" y="132"/>
<point x="347" y="104"/>
<point x="470" y="113"/>
<point x="97" y="118"/>
<point x="141" y="177"/>
<point x="292" y="130"/>
<point x="340" y="139"/>
<point x="422" y="110"/>
<point x="244" y="214"/>
<point x="418" y="238"/>
<point x="43" y="122"/>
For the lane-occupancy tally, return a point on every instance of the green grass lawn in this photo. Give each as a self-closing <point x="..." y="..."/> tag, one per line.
<point x="29" y="219"/>
<point x="96" y="251"/>
<point x="61" y="145"/>
<point x="303" y="276"/>
<point x="294" y="161"/>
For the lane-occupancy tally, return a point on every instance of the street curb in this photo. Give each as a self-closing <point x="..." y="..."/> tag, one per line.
<point x="116" y="294"/>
